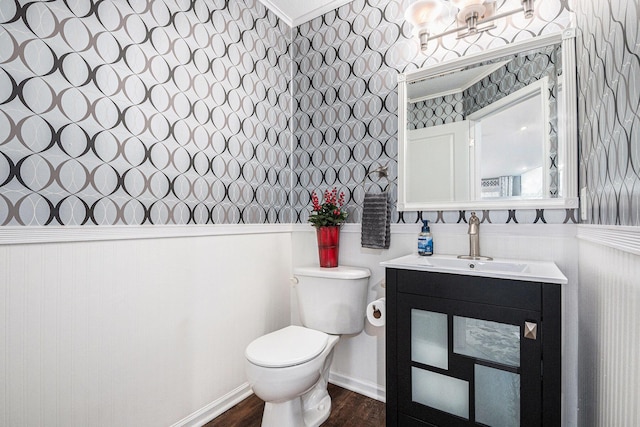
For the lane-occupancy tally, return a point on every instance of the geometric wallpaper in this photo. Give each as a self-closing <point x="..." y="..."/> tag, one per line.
<point x="521" y="70"/>
<point x="143" y="112"/>
<point x="435" y="111"/>
<point x="202" y="112"/>
<point x="608" y="61"/>
<point x="345" y="89"/>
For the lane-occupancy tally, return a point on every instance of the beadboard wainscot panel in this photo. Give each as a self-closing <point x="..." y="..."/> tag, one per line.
<point x="142" y="331"/>
<point x="609" y="317"/>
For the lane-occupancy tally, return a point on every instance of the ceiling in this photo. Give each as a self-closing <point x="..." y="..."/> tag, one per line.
<point x="450" y="83"/>
<point x="296" y="12"/>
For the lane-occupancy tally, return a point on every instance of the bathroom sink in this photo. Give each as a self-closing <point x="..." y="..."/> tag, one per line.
<point x="465" y="264"/>
<point x="536" y="271"/>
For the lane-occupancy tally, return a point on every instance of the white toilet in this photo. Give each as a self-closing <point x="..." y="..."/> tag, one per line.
<point x="289" y="368"/>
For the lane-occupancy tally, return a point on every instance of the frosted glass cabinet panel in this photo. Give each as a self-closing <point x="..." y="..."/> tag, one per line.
<point x="441" y="392"/>
<point x="463" y="352"/>
<point x="497" y="397"/>
<point x="487" y="340"/>
<point x="429" y="342"/>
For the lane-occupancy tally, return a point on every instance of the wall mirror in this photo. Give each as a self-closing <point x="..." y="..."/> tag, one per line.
<point x="494" y="130"/>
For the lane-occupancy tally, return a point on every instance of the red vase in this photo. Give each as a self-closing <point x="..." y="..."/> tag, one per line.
<point x="328" y="245"/>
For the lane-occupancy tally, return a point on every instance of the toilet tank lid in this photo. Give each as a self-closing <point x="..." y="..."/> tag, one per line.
<point x="341" y="272"/>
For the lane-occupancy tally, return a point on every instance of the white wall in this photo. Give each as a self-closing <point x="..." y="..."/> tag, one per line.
<point x="134" y="332"/>
<point x="359" y="360"/>
<point x="609" y="319"/>
<point x="152" y="332"/>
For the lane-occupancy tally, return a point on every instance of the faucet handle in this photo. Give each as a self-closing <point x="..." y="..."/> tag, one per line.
<point x="474" y="224"/>
<point x="473" y="219"/>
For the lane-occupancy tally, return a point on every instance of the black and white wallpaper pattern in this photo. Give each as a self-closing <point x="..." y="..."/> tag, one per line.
<point x="179" y="111"/>
<point x="143" y="112"/>
<point x="608" y="57"/>
<point x="521" y="70"/>
<point x="345" y="121"/>
<point x="435" y="111"/>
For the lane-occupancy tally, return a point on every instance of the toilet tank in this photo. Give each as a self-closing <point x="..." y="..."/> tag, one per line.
<point x="332" y="300"/>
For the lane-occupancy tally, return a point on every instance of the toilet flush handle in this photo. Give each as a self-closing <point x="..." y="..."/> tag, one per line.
<point x="294" y="281"/>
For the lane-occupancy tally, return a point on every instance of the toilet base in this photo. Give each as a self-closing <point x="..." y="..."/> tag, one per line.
<point x="284" y="414"/>
<point x="309" y="410"/>
<point x="289" y="413"/>
<point x="318" y="413"/>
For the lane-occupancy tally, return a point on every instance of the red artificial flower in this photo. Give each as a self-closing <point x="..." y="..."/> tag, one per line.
<point x="330" y="211"/>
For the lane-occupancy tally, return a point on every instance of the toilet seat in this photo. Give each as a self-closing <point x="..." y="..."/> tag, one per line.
<point x="289" y="346"/>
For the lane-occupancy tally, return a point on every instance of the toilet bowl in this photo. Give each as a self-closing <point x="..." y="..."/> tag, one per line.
<point x="289" y="368"/>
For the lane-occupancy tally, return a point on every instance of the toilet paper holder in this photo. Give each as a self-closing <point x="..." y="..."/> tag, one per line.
<point x="376" y="312"/>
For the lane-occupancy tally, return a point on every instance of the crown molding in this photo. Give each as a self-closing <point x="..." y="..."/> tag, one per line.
<point x="312" y="10"/>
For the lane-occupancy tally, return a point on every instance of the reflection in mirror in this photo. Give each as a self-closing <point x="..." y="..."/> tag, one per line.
<point x="438" y="155"/>
<point x="517" y="127"/>
<point x="490" y="130"/>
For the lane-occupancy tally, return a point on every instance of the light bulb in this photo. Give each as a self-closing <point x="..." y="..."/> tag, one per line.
<point x="423" y="11"/>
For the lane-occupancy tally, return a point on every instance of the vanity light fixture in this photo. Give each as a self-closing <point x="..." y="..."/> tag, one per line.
<point x="471" y="16"/>
<point x="422" y="14"/>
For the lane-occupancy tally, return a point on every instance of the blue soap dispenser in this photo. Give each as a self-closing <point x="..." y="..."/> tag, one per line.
<point x="425" y="240"/>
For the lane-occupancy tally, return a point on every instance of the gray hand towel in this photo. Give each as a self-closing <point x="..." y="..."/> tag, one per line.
<point x="376" y="221"/>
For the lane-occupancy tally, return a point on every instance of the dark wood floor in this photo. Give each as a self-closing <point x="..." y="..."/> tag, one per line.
<point x="349" y="409"/>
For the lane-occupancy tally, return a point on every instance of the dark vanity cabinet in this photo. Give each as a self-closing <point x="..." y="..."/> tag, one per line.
<point x="468" y="350"/>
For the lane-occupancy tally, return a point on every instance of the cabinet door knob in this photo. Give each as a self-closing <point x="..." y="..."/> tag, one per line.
<point x="530" y="330"/>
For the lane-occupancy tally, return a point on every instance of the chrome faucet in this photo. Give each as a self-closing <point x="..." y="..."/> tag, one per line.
<point x="474" y="240"/>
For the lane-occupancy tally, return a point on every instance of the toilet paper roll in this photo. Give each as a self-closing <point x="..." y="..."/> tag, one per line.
<point x="377" y="312"/>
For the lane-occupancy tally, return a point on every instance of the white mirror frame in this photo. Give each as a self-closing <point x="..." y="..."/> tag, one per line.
<point x="568" y="143"/>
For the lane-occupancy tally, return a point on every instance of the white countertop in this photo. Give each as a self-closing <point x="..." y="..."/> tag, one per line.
<point x="500" y="268"/>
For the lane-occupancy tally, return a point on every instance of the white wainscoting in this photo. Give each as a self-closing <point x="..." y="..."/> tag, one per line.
<point x="609" y="318"/>
<point x="130" y="327"/>
<point x="135" y="332"/>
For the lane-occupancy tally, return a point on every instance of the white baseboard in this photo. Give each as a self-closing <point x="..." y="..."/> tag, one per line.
<point x="218" y="406"/>
<point x="366" y="388"/>
<point x="215" y="408"/>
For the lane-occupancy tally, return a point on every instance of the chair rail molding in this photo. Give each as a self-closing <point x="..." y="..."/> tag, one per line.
<point x="624" y="238"/>
<point x="17" y="235"/>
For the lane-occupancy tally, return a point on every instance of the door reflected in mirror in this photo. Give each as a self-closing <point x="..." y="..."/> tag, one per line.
<point x="440" y="155"/>
<point x="487" y="132"/>
<point x="515" y="128"/>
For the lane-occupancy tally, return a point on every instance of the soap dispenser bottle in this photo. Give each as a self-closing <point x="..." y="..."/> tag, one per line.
<point x="425" y="240"/>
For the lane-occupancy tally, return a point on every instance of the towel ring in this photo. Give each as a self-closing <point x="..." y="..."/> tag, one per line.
<point x="383" y="172"/>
